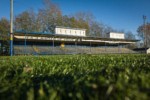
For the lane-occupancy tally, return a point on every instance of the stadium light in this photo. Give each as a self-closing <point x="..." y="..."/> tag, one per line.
<point x="144" y="32"/>
<point x="11" y="27"/>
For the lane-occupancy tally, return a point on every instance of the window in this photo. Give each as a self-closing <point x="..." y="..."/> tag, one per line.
<point x="74" y="32"/>
<point x="65" y="31"/>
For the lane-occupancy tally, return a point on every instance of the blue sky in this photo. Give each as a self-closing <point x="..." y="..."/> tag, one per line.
<point x="119" y="14"/>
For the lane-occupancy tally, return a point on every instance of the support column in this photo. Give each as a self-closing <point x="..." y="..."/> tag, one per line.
<point x="105" y="47"/>
<point x="53" y="45"/>
<point x="25" y="45"/>
<point x="118" y="48"/>
<point x="90" y="46"/>
<point x="76" y="45"/>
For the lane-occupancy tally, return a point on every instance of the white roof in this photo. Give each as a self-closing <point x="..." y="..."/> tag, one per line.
<point x="70" y="28"/>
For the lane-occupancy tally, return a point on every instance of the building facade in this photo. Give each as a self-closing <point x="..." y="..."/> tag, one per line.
<point x="70" y="31"/>
<point x="115" y="35"/>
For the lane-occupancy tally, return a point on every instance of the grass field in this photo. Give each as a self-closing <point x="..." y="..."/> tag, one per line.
<point x="94" y="77"/>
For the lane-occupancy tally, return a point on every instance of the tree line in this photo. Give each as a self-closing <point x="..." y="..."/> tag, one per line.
<point x="51" y="15"/>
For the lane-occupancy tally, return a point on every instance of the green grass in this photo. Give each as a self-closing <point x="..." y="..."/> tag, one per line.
<point x="96" y="77"/>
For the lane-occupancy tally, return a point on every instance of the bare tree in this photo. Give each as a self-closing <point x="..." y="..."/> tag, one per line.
<point x="26" y="21"/>
<point x="145" y="37"/>
<point x="49" y="16"/>
<point x="4" y="37"/>
<point x="4" y="28"/>
<point x="129" y="35"/>
<point x="94" y="27"/>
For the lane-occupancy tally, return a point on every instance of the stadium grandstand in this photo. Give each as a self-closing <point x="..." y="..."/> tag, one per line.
<point x="67" y="40"/>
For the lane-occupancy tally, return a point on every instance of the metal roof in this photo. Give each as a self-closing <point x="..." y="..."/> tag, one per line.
<point x="68" y="38"/>
<point x="70" y="28"/>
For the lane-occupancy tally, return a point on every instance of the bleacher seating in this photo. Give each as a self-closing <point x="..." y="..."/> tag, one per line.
<point x="46" y="50"/>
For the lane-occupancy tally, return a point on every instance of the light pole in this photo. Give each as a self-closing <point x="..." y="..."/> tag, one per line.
<point x="144" y="32"/>
<point x="11" y="27"/>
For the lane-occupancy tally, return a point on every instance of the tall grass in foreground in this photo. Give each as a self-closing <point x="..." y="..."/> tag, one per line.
<point x="94" y="77"/>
